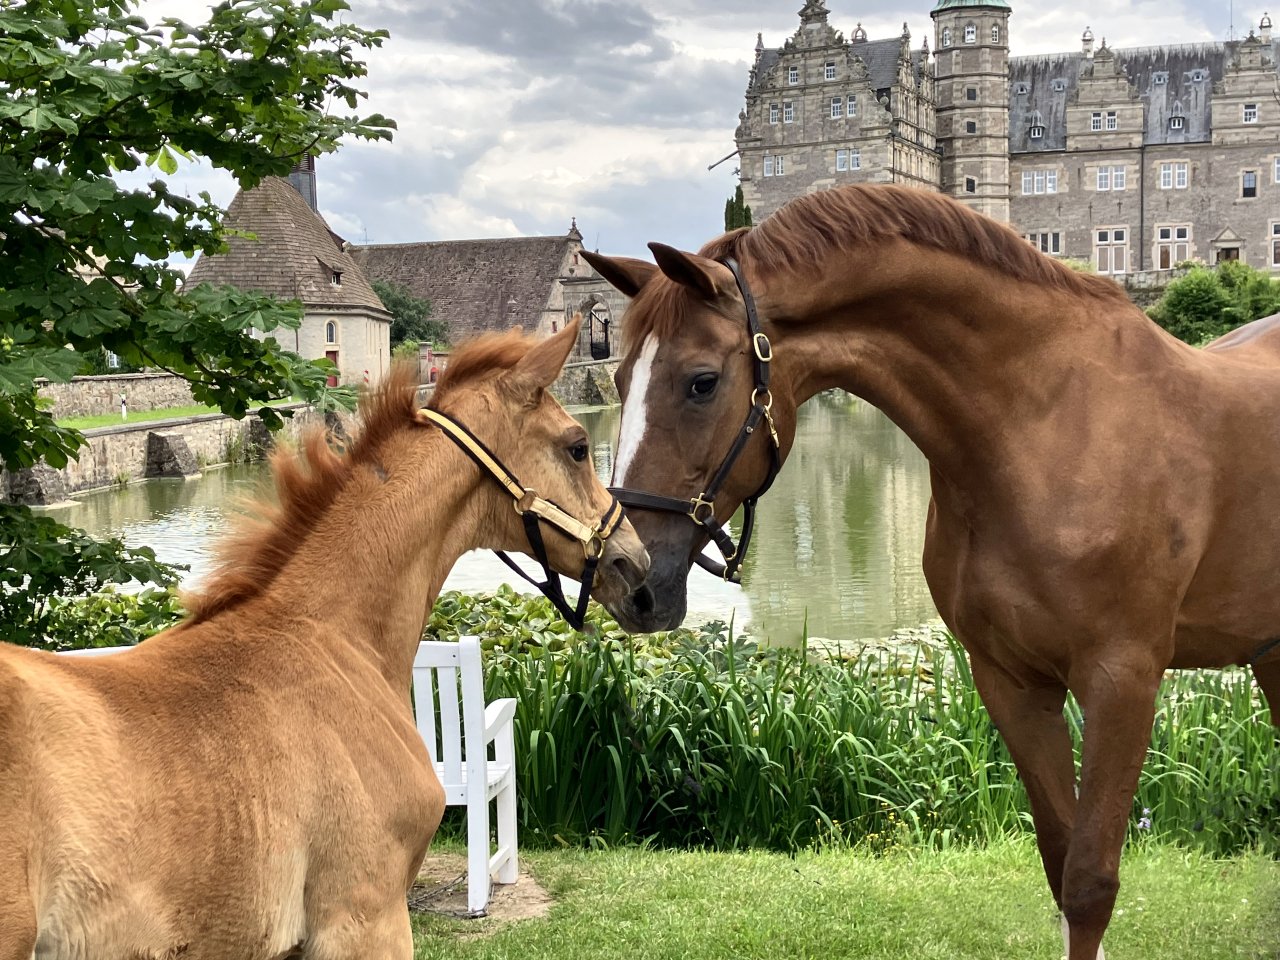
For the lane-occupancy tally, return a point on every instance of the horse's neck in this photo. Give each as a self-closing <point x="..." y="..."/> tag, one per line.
<point x="965" y="361"/>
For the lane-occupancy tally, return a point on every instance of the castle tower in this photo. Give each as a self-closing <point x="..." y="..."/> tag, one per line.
<point x="971" y="44"/>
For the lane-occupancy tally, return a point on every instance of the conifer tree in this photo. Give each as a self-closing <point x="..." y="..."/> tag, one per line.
<point x="736" y="212"/>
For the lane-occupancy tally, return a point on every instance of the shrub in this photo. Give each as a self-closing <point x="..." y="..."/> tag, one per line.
<point x="1204" y="304"/>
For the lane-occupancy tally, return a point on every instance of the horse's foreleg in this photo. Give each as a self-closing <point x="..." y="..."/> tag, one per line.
<point x="1118" y="700"/>
<point x="1030" y="721"/>
<point x="1268" y="677"/>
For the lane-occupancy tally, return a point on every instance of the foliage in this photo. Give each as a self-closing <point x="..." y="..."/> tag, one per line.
<point x="692" y="738"/>
<point x="44" y="564"/>
<point x="1079" y="265"/>
<point x="407" y="351"/>
<point x="1206" y="303"/>
<point x="97" y="363"/>
<point x="109" y="618"/>
<point x="410" y="315"/>
<point x="87" y="88"/>
<point x="736" y="212"/>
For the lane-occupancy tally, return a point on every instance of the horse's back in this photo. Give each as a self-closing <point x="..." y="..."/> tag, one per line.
<point x="1259" y="340"/>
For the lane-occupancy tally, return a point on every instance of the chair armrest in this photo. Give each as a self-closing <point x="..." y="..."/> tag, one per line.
<point x="497" y="715"/>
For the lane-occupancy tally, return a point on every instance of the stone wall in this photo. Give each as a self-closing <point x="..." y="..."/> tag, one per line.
<point x="96" y="396"/>
<point x="589" y="383"/>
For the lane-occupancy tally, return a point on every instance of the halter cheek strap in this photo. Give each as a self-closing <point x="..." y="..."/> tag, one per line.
<point x="534" y="511"/>
<point x="701" y="509"/>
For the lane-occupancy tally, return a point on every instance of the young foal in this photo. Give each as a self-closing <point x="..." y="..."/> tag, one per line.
<point x="250" y="784"/>
<point x="1104" y="496"/>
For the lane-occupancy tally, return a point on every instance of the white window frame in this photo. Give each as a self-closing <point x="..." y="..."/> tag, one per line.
<point x="1106" y="264"/>
<point x="1166" y="176"/>
<point x="1250" y="113"/>
<point x="788" y="112"/>
<point x="1104" y="179"/>
<point x="1276" y="175"/>
<point x="1244" y="175"/>
<point x="995" y="33"/>
<point x="842" y="160"/>
<point x="1173" y="240"/>
<point x="1095" y="122"/>
<point x="1027" y="177"/>
<point x="1175" y="123"/>
<point x="1039" y="181"/>
<point x="1180" y="178"/>
<point x="851" y="107"/>
<point x="1113" y="122"/>
<point x="330" y="333"/>
<point x="1118" y="178"/>
<point x="1275" y="243"/>
<point x="946" y="36"/>
<point x="793" y="75"/>
<point x="837" y="108"/>
<point x="1051" y="181"/>
<point x="774" y="112"/>
<point x="971" y="33"/>
<point x="829" y="70"/>
<point x="778" y="165"/>
<point x="768" y="165"/>
<point x="855" y="160"/>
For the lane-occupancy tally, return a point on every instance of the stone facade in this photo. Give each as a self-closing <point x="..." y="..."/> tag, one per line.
<point x="589" y="383"/>
<point x="98" y="396"/>
<point x="1135" y="159"/>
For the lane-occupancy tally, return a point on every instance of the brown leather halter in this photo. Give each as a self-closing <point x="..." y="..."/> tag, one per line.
<point x="533" y="512"/>
<point x="701" y="509"/>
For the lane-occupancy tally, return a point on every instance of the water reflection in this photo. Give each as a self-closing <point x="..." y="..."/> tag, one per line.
<point x="839" y="537"/>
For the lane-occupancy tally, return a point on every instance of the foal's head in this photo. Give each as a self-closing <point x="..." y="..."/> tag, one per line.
<point x="497" y="388"/>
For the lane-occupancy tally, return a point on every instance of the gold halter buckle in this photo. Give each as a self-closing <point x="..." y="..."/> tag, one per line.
<point x="698" y="502"/>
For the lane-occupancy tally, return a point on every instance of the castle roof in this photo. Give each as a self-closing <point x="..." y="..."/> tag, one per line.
<point x="294" y="256"/>
<point x="476" y="286"/>
<point x="952" y="4"/>
<point x="880" y="56"/>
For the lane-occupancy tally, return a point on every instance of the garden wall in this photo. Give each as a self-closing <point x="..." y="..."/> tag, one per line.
<point x="96" y="396"/>
<point x="590" y="383"/>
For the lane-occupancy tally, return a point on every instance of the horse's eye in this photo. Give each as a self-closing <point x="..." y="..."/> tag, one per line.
<point x="703" y="386"/>
<point x="579" y="452"/>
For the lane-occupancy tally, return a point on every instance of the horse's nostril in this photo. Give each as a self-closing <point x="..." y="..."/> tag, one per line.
<point x="630" y="573"/>
<point x="642" y="600"/>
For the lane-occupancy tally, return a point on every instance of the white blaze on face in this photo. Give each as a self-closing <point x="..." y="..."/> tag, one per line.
<point x="634" y="412"/>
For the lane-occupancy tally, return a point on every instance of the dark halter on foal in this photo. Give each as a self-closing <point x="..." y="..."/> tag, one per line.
<point x="533" y="511"/>
<point x="701" y="509"/>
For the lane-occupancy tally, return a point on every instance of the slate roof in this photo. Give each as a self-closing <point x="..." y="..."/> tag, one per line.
<point x="1162" y="77"/>
<point x="294" y="256"/>
<point x="476" y="286"/>
<point x="952" y="4"/>
<point x="880" y="56"/>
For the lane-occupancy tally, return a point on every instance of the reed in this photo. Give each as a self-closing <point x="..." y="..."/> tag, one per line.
<point x="701" y="739"/>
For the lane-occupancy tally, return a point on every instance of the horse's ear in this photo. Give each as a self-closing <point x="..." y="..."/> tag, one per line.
<point x="540" y="367"/>
<point x="709" y="279"/>
<point x="626" y="274"/>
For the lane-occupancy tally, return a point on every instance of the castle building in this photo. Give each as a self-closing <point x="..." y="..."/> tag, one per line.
<point x="1134" y="159"/>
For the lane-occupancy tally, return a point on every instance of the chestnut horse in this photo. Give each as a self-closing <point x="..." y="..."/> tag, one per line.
<point x="250" y="783"/>
<point x="1106" y="499"/>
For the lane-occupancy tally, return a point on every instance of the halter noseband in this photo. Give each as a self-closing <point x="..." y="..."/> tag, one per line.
<point x="701" y="509"/>
<point x="533" y="510"/>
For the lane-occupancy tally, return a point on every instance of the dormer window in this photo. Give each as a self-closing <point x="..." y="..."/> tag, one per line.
<point x="1036" y="132"/>
<point x="1175" y="123"/>
<point x="1197" y="76"/>
<point x="1058" y="85"/>
<point x="946" y="36"/>
<point x="1021" y="89"/>
<point x="793" y="75"/>
<point x="1160" y="78"/>
<point x="335" y="279"/>
<point x="971" y="33"/>
<point x="829" y="72"/>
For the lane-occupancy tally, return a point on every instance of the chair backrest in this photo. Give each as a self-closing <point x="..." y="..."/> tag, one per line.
<point x="438" y="669"/>
<point x="93" y="651"/>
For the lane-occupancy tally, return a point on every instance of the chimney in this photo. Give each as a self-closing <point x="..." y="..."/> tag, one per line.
<point x="1086" y="42"/>
<point x="303" y="178"/>
<point x="1264" y="29"/>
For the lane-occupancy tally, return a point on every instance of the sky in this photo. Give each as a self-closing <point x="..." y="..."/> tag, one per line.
<point x="515" y="116"/>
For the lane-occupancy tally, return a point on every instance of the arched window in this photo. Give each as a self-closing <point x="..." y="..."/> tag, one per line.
<point x="330" y="332"/>
<point x="995" y="33"/>
<point x="971" y="33"/>
<point x="946" y="36"/>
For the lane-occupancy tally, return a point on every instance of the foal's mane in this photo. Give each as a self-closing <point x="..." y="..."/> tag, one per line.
<point x="811" y="228"/>
<point x="309" y="479"/>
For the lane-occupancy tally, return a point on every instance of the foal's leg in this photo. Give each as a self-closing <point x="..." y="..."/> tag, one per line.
<point x="1031" y="722"/>
<point x="1268" y="677"/>
<point x="1118" y="700"/>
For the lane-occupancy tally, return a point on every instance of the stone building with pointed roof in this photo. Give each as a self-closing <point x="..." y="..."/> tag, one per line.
<point x="297" y="257"/>
<point x="484" y="286"/>
<point x="1134" y="159"/>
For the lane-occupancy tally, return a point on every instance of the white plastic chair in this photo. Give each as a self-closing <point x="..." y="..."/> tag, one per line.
<point x="475" y="780"/>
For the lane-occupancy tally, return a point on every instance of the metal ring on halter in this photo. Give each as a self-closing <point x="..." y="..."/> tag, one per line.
<point x="596" y="541"/>
<point x="768" y="395"/>
<point x="697" y="502"/>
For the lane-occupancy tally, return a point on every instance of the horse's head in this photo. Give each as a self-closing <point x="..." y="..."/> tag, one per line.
<point x="497" y="389"/>
<point x="687" y="383"/>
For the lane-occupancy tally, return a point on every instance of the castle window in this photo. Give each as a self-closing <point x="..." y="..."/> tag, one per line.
<point x="1249" y="184"/>
<point x="1276" y="176"/>
<point x="1160" y="78"/>
<point x="837" y="107"/>
<point x="1173" y="246"/>
<point x="773" y="113"/>
<point x="777" y="166"/>
<point x="793" y="75"/>
<point x="1051" y="185"/>
<point x="970" y="185"/>
<point x="971" y="93"/>
<point x="1275" y="244"/>
<point x="1197" y="76"/>
<point x="788" y="114"/>
<point x="768" y="166"/>
<point x="1095" y="122"/>
<point x="842" y="159"/>
<point x="1021" y="89"/>
<point x="336" y="278"/>
<point x="1117" y="178"/>
<point x="829" y="72"/>
<point x="1180" y="176"/>
<point x="1250" y="113"/>
<point x="1104" y="178"/>
<point x="330" y="332"/>
<point x="970" y="126"/>
<point x="1036" y="132"/>
<point x="1112" y="121"/>
<point x="971" y="34"/>
<point x="855" y="160"/>
<point x="1166" y="176"/>
<point x="1058" y="85"/>
<point x="1175" y="123"/>
<point x="946" y="36"/>
<point x="1026" y="183"/>
<point x="1046" y="242"/>
<point x="852" y="110"/>
<point x="1039" y="181"/>
<point x="1111" y="251"/>
<point x="995" y="33"/>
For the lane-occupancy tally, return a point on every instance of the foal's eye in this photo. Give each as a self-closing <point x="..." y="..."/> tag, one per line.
<point x="703" y="386"/>
<point x="579" y="452"/>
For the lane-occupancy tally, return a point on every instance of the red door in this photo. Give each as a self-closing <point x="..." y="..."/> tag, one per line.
<point x="332" y="355"/>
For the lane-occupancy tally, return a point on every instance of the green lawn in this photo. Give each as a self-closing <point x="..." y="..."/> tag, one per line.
<point x="167" y="413"/>
<point x="989" y="903"/>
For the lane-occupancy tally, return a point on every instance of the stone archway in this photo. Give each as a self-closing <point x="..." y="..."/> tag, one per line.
<point x="597" y="324"/>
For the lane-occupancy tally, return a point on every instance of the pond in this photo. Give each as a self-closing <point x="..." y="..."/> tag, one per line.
<point x="838" y="539"/>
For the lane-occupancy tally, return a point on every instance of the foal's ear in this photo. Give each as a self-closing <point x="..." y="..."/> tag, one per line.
<point x="706" y="277"/>
<point x="626" y="274"/>
<point x="539" y="367"/>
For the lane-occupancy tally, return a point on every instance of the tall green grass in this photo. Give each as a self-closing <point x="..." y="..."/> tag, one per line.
<point x="698" y="739"/>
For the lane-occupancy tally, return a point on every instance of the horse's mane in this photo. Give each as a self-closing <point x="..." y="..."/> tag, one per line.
<point x="811" y="228"/>
<point x="309" y="479"/>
